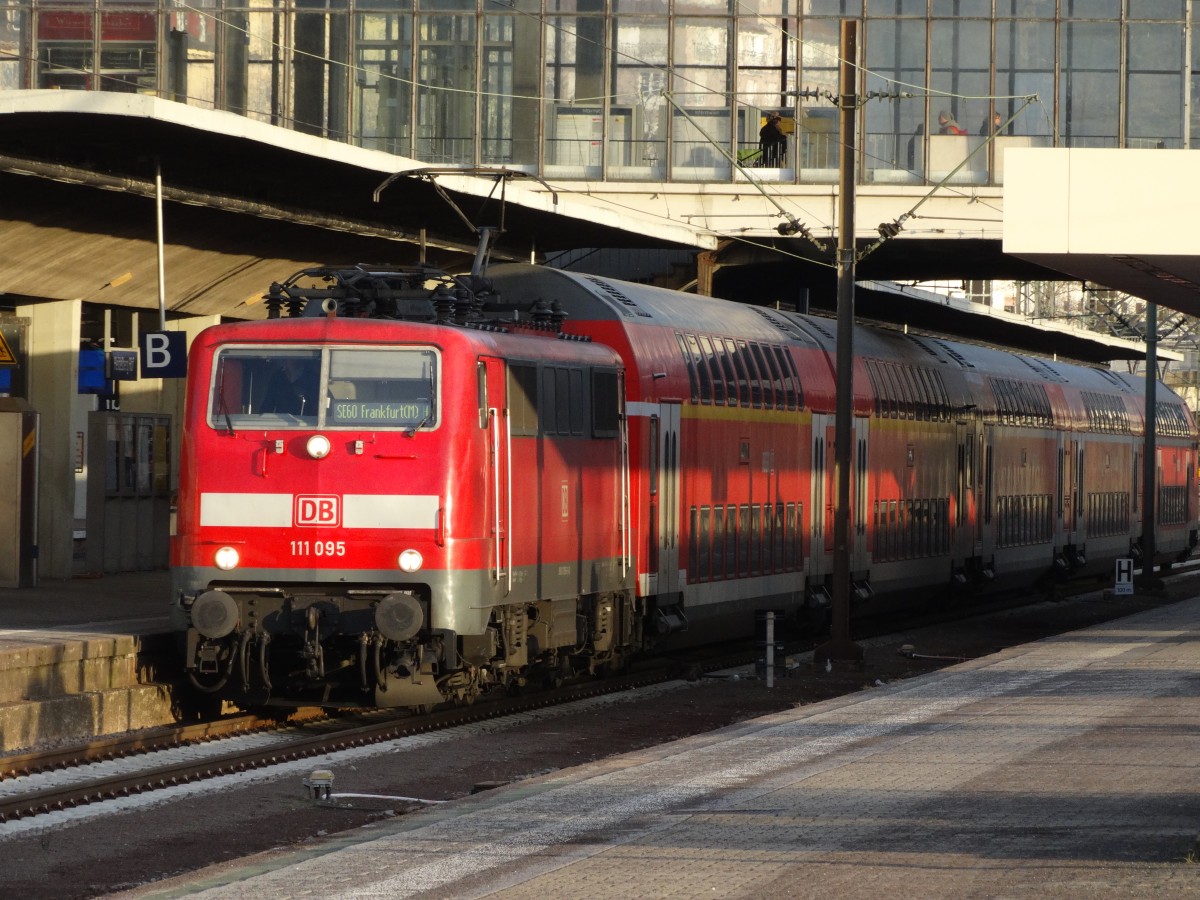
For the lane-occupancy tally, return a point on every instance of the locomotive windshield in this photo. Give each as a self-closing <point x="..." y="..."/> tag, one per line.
<point x="341" y="387"/>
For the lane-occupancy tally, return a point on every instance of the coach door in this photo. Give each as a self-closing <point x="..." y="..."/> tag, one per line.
<point x="494" y="419"/>
<point x="1068" y="481"/>
<point x="860" y="496"/>
<point x="966" y="522"/>
<point x="822" y="495"/>
<point x="664" y="500"/>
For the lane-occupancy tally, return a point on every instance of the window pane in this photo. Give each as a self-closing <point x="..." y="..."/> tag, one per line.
<point x="817" y="128"/>
<point x="963" y="8"/>
<point x="895" y="138"/>
<point x="1041" y="9"/>
<point x="1156" y="9"/>
<point x="1154" y="98"/>
<point x="383" y="86"/>
<point x="1091" y="9"/>
<point x="446" y="89"/>
<point x="1090" y="54"/>
<point x="700" y="84"/>
<point x="1025" y="66"/>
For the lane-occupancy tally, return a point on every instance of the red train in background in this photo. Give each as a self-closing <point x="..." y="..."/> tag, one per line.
<point x="417" y="488"/>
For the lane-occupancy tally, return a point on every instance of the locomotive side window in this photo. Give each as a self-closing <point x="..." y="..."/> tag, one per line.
<point x="577" y="401"/>
<point x="606" y="404"/>
<point x="522" y="399"/>
<point x="562" y="401"/>
<point x="549" y="406"/>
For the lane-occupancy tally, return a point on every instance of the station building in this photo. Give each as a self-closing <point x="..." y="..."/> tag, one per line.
<point x="268" y="130"/>
<point x="640" y="90"/>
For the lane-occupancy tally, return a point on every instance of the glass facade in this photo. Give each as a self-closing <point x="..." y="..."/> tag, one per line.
<point x="644" y="90"/>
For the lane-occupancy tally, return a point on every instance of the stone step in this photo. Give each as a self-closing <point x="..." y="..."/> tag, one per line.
<point x="79" y="717"/>
<point x="61" y="686"/>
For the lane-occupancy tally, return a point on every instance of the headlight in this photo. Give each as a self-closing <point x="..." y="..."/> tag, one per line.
<point x="411" y="561"/>
<point x="226" y="558"/>
<point x="318" y="446"/>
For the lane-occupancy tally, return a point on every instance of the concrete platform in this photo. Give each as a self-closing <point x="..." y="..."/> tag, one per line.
<point x="78" y="659"/>
<point x="1062" y="768"/>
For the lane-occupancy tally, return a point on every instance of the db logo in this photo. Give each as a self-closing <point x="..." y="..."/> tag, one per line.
<point x="318" y="509"/>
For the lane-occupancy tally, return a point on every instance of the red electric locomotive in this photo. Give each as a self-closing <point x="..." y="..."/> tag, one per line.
<point x="419" y="488"/>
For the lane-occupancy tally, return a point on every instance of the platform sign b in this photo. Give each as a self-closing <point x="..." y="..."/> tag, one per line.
<point x="164" y="354"/>
<point x="1123" y="578"/>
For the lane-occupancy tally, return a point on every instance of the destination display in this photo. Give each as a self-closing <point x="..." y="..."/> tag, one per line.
<point x="381" y="412"/>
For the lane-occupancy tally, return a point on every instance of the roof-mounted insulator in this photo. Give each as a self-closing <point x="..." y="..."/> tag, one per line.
<point x="464" y="308"/>
<point x="541" y="313"/>
<point x="557" y="315"/>
<point x="443" y="304"/>
<point x="274" y="300"/>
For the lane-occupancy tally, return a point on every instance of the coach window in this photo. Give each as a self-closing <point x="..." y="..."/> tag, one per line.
<point x="693" y="551"/>
<point x="702" y="372"/>
<point x="743" y="380"/>
<point x="791" y="547"/>
<point x="743" y="541"/>
<point x="765" y="376"/>
<point x="752" y="371"/>
<point x="704" y="544"/>
<point x="693" y="377"/>
<point x="772" y="366"/>
<point x="714" y="368"/>
<point x="731" y="387"/>
<point x="718" y="551"/>
<point x="790" y="382"/>
<point x="910" y="391"/>
<point x="755" y="538"/>
<point x="729" y="567"/>
<point x="779" y="553"/>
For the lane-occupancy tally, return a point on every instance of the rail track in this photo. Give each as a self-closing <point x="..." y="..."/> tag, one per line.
<point x="276" y="744"/>
<point x="21" y="795"/>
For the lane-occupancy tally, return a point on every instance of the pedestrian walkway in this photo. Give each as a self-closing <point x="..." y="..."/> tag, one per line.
<point x="1064" y="768"/>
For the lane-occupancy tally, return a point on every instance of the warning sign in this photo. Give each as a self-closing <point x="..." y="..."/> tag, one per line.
<point x="7" y="357"/>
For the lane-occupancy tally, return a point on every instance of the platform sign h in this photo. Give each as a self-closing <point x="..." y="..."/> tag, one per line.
<point x="164" y="354"/>
<point x="1123" y="579"/>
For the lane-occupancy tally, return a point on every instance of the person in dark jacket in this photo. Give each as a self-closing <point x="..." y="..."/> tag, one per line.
<point x="772" y="142"/>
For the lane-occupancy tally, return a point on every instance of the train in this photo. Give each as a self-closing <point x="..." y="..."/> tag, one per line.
<point x="405" y="488"/>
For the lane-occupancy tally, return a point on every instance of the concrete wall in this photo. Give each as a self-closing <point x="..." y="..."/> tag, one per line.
<point x="53" y="392"/>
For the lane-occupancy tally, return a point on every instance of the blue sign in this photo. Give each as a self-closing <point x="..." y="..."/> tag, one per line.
<point x="164" y="354"/>
<point x="92" y="377"/>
